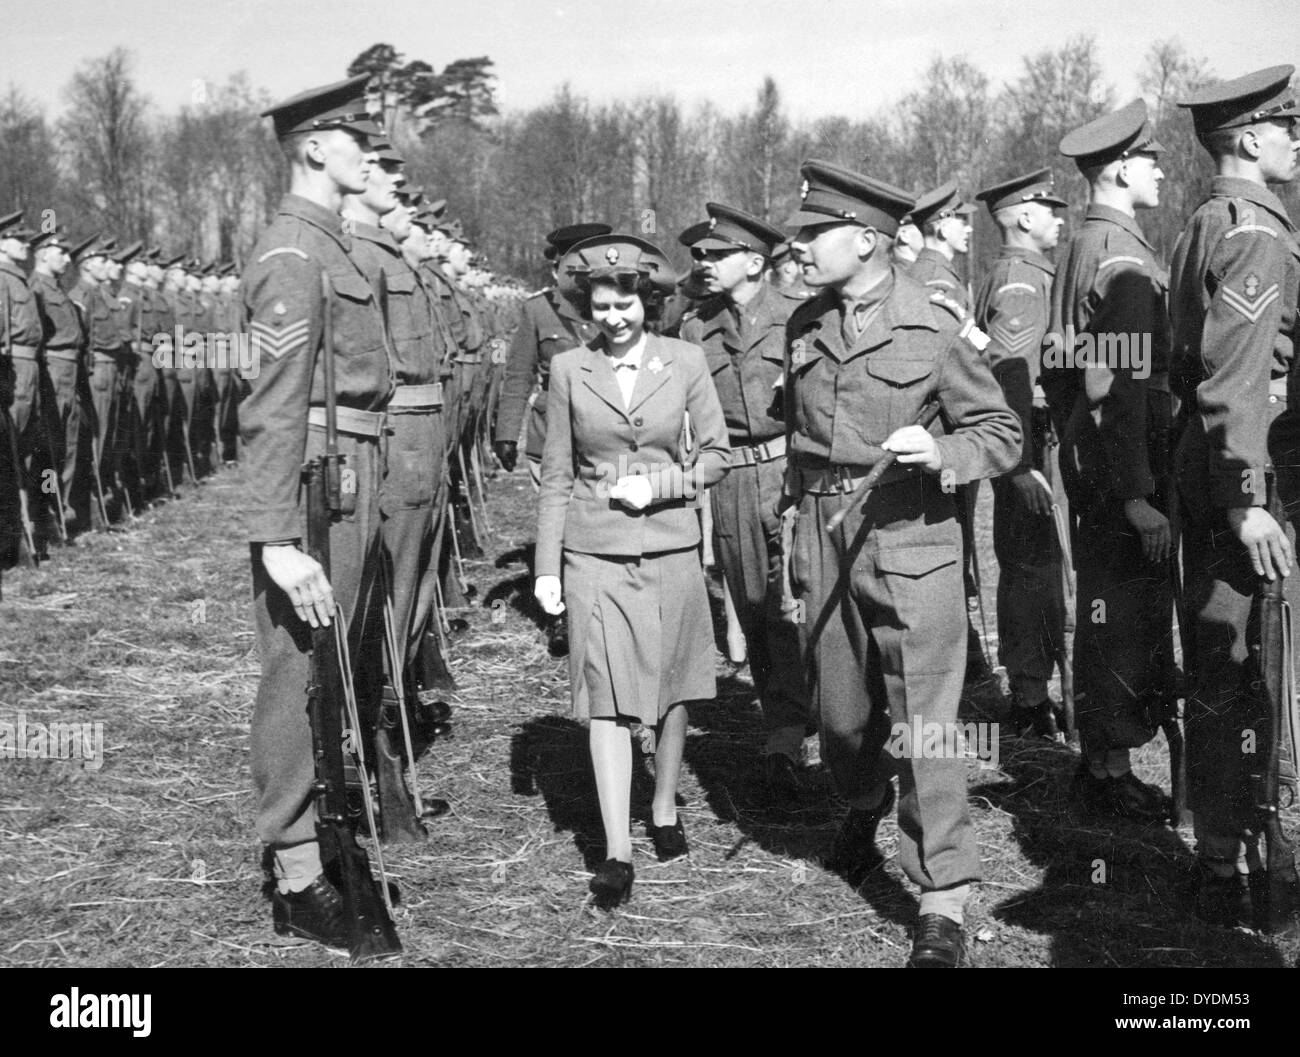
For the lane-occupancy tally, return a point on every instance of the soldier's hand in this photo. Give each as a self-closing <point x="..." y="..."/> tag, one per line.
<point x="1032" y="496"/>
<point x="507" y="453"/>
<point x="1152" y="526"/>
<point x="548" y="593"/>
<point x="301" y="577"/>
<point x="914" y="444"/>
<point x="1264" y="540"/>
<point x="633" y="492"/>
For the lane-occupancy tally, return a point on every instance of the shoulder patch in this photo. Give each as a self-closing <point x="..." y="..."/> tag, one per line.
<point x="944" y="301"/>
<point x="977" y="338"/>
<point x="940" y="282"/>
<point x="1008" y="287"/>
<point x="282" y="249"/>
<point x="1121" y="260"/>
<point x="1241" y="229"/>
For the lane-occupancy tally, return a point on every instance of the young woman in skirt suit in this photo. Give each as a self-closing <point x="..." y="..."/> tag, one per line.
<point x="634" y="434"/>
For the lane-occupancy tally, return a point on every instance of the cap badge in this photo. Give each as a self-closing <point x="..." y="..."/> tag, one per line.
<point x="803" y="190"/>
<point x="611" y="255"/>
<point x="797" y="352"/>
<point x="713" y="223"/>
<point x="1252" y="285"/>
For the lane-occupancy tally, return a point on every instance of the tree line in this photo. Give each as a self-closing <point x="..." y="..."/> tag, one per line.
<point x="205" y="180"/>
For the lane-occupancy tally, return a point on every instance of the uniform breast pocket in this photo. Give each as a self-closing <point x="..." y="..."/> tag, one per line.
<point x="900" y="385"/>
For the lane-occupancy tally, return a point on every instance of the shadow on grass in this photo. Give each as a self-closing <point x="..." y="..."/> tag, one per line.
<point x="1114" y="892"/>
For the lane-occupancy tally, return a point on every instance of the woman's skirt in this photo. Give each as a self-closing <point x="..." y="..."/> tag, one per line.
<point x="640" y="634"/>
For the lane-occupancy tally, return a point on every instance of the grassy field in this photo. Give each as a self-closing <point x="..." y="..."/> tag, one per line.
<point x="150" y="859"/>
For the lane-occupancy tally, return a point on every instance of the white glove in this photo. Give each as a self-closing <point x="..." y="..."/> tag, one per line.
<point x="548" y="593"/>
<point x="633" y="492"/>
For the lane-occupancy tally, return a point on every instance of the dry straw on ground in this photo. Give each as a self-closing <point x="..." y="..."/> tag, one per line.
<point x="151" y="859"/>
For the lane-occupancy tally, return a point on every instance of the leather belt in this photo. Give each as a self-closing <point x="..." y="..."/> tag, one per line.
<point x="67" y="355"/>
<point x="350" y="420"/>
<point x="22" y="352"/>
<point x="841" y="479"/>
<point x="756" y="453"/>
<point x="469" y="357"/>
<point x="417" y="396"/>
<point x="105" y="357"/>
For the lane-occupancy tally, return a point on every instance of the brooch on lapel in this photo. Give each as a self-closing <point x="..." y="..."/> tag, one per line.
<point x="655" y="366"/>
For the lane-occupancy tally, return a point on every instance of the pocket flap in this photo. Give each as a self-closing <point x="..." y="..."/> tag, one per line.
<point x="918" y="560"/>
<point x="897" y="371"/>
<point x="401" y="282"/>
<point x="353" y="287"/>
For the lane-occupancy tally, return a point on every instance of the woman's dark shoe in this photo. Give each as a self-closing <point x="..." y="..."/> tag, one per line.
<point x="669" y="841"/>
<point x="612" y="883"/>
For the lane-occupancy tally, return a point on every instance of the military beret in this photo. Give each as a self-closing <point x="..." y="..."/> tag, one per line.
<point x="562" y="239"/>
<point x="731" y="228"/>
<point x="612" y="255"/>
<point x="1257" y="96"/>
<point x="126" y="253"/>
<point x="831" y="194"/>
<point x="153" y="254"/>
<point x="55" y="237"/>
<point x="108" y="245"/>
<point x="338" y="105"/>
<point x="1112" y="137"/>
<point x="1031" y="187"/>
<point x="174" y="262"/>
<point x="944" y="201"/>
<point x="87" y="248"/>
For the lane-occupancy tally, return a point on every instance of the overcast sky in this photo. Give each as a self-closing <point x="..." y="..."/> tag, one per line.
<point x="828" y="56"/>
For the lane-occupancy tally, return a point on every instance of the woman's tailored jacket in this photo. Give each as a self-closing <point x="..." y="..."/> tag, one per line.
<point x="592" y="441"/>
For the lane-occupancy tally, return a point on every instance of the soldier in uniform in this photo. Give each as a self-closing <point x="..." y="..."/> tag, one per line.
<point x="908" y="244"/>
<point x="139" y="303"/>
<point x="549" y="325"/>
<point x="1013" y="307"/>
<point x="324" y="135"/>
<point x="61" y="340"/>
<point x="175" y="316"/>
<point x="1235" y="277"/>
<point x="786" y="276"/>
<point x="741" y="328"/>
<point x="885" y="641"/>
<point x="103" y="338"/>
<point x="20" y="343"/>
<point x="123" y="443"/>
<point x="1105" y="373"/>
<point x="944" y="222"/>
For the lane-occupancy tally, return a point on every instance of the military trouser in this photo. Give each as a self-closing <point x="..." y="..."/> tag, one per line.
<point x="64" y="417"/>
<point x="412" y="477"/>
<point x="1123" y="642"/>
<point x="283" y="771"/>
<point x="202" y="410"/>
<point x="1227" y="721"/>
<point x="1031" y="596"/>
<point x="887" y="645"/>
<point x="20" y="388"/>
<point x="148" y="412"/>
<point x="103" y="398"/>
<point x="175" y="421"/>
<point x="747" y="544"/>
<point x="228" y="385"/>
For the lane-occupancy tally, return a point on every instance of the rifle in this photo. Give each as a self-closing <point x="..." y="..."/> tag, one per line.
<point x="371" y="930"/>
<point x="1069" y="587"/>
<point x="1275" y="690"/>
<point x="11" y="430"/>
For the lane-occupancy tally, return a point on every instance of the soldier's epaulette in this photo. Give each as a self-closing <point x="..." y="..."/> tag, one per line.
<point x="969" y="332"/>
<point x="282" y="249"/>
<point x="1121" y="258"/>
<point x="1008" y="287"/>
